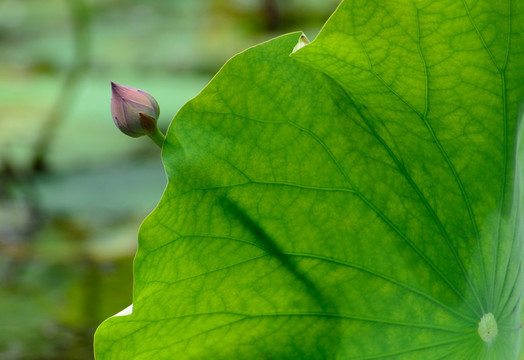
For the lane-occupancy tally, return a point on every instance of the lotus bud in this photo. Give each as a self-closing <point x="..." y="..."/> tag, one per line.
<point x="135" y="112"/>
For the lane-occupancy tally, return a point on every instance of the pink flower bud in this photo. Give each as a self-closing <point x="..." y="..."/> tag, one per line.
<point x="134" y="111"/>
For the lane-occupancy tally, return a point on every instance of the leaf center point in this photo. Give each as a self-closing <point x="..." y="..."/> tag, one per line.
<point x="488" y="328"/>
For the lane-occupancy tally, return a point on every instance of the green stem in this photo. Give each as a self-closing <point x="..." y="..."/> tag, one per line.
<point x="157" y="137"/>
<point x="81" y="18"/>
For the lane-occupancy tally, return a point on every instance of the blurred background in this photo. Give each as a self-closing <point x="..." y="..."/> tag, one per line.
<point x="73" y="189"/>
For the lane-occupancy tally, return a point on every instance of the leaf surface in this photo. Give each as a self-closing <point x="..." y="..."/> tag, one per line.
<point x="358" y="199"/>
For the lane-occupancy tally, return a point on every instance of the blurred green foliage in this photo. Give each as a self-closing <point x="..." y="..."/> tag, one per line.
<point x="73" y="190"/>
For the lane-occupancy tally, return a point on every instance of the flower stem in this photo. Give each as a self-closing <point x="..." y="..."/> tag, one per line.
<point x="157" y="137"/>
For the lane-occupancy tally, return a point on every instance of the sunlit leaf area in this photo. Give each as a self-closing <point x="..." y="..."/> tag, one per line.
<point x="73" y="189"/>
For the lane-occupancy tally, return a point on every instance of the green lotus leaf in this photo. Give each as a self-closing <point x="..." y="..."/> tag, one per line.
<point x="353" y="198"/>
